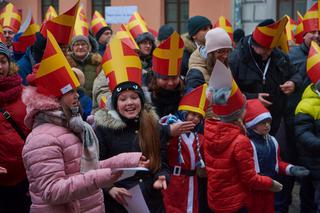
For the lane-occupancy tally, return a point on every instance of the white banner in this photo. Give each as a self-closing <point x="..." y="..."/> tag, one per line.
<point x="119" y="14"/>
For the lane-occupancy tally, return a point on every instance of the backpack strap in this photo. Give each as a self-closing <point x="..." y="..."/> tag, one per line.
<point x="8" y="117"/>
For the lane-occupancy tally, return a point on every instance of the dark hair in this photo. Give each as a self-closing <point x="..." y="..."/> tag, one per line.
<point x="238" y="34"/>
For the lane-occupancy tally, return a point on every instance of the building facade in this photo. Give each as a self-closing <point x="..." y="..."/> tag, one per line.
<point x="244" y="14"/>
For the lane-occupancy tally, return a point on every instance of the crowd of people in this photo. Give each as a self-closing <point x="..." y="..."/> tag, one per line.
<point x="222" y="124"/>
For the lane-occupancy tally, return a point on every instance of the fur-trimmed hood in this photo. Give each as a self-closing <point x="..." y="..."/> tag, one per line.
<point x="111" y="119"/>
<point x="188" y="43"/>
<point x="36" y="102"/>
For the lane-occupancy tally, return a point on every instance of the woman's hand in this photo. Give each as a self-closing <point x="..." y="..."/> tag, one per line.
<point x="161" y="183"/>
<point x="119" y="194"/>
<point x="179" y="128"/>
<point x="143" y="162"/>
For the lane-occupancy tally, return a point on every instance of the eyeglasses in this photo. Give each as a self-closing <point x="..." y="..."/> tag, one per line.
<point x="78" y="44"/>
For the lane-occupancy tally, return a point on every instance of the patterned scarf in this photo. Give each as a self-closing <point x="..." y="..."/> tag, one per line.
<point x="90" y="144"/>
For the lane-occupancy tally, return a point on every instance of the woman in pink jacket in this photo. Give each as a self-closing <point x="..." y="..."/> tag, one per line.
<point x="61" y="152"/>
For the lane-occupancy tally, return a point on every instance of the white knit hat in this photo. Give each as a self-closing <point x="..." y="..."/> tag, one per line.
<point x="217" y="38"/>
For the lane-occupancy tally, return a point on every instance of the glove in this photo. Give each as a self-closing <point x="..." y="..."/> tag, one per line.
<point x="299" y="171"/>
<point x="276" y="186"/>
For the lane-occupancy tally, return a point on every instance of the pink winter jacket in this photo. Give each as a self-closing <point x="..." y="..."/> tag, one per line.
<point x="51" y="156"/>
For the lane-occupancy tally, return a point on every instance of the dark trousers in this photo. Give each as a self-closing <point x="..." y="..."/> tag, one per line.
<point x="308" y="195"/>
<point x="287" y="142"/>
<point x="14" y="199"/>
<point x="202" y="195"/>
<point x="283" y="199"/>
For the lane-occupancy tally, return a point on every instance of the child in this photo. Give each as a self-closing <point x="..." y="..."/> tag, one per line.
<point x="184" y="154"/>
<point x="266" y="153"/>
<point x="228" y="152"/>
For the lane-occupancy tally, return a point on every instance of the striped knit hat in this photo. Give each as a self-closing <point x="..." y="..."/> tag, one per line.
<point x="4" y="50"/>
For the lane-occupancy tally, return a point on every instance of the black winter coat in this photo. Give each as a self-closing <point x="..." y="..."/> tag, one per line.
<point x="250" y="78"/>
<point x="307" y="129"/>
<point x="115" y="137"/>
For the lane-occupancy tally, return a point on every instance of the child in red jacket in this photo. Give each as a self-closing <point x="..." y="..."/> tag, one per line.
<point x="266" y="154"/>
<point x="228" y="152"/>
<point x="184" y="154"/>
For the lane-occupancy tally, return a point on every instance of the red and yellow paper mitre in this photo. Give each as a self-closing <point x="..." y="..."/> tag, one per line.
<point x="103" y="102"/>
<point x="97" y="23"/>
<point x="287" y="37"/>
<point x="2" y="39"/>
<point x="120" y="63"/>
<point x="225" y="24"/>
<point x="127" y="38"/>
<point x="11" y="17"/>
<point x="232" y="100"/>
<point x="290" y="26"/>
<point x="299" y="29"/>
<point x="62" y="25"/>
<point x="54" y="76"/>
<point x="313" y="63"/>
<point x="311" y="19"/>
<point x="195" y="101"/>
<point x="136" y="25"/>
<point x="166" y="60"/>
<point x="28" y="29"/>
<point x="269" y="36"/>
<point x="50" y="14"/>
<point x="81" y="26"/>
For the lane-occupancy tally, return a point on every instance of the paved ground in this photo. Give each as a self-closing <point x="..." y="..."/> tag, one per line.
<point x="294" y="208"/>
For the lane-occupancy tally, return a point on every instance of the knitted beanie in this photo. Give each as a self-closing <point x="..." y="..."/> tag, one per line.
<point x="101" y="31"/>
<point x="4" y="50"/>
<point x="164" y="32"/>
<point x="145" y="36"/>
<point x="127" y="85"/>
<point x="196" y="23"/>
<point x="265" y="22"/>
<point x="217" y="38"/>
<point x="80" y="38"/>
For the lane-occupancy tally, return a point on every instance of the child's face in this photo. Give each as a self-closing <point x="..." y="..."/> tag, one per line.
<point x="194" y="117"/>
<point x="263" y="127"/>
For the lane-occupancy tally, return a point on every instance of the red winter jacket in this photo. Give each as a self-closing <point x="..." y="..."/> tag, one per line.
<point x="11" y="143"/>
<point x="230" y="167"/>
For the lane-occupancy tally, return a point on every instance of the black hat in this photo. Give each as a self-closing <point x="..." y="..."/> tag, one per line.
<point x="145" y="36"/>
<point x="164" y="32"/>
<point x="196" y="23"/>
<point x="101" y="31"/>
<point x="238" y="34"/>
<point x="266" y="22"/>
<point x="128" y="85"/>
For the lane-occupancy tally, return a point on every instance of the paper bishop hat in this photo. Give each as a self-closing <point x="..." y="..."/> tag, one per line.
<point x="54" y="76"/>
<point x="268" y="36"/>
<point x="225" y="24"/>
<point x="311" y="19"/>
<point x="121" y="64"/>
<point x="11" y="17"/>
<point x="228" y="102"/>
<point x="166" y="60"/>
<point x="313" y="63"/>
<point x="195" y="101"/>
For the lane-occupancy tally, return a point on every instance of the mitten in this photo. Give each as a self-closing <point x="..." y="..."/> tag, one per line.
<point x="299" y="171"/>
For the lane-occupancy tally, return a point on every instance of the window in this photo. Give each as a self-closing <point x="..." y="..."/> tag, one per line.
<point x="99" y="5"/>
<point x="45" y="5"/>
<point x="177" y="14"/>
<point x="289" y="7"/>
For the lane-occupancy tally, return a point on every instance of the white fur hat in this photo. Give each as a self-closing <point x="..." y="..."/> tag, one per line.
<point x="217" y="38"/>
